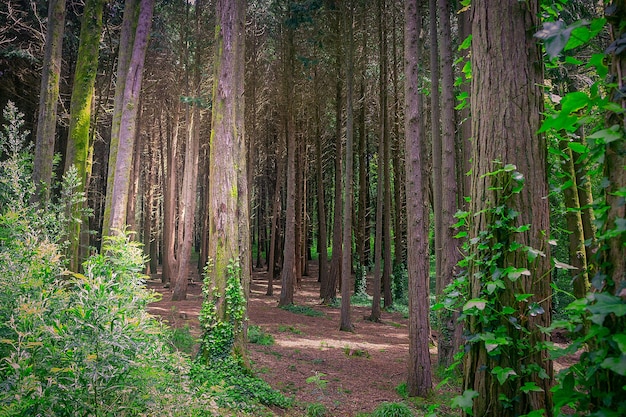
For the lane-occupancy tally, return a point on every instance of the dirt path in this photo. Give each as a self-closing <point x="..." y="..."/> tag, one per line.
<point x="352" y="372"/>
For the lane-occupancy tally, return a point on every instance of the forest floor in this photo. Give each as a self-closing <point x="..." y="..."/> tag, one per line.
<point x="347" y="372"/>
<point x="310" y="359"/>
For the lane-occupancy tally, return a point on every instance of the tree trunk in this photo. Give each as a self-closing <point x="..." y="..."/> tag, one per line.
<point x="80" y="113"/>
<point x="419" y="367"/>
<point x="127" y="38"/>
<point x="346" y="256"/>
<point x="170" y="203"/>
<point x="289" y="250"/>
<point x="128" y="121"/>
<point x="506" y="105"/>
<point x="48" y="98"/>
<point x="322" y="238"/>
<point x="450" y="337"/>
<point x="227" y="177"/>
<point x="275" y="224"/>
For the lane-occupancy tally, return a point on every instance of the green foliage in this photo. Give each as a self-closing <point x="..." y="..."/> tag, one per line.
<point x="360" y="279"/>
<point x="497" y="312"/>
<point x="400" y="284"/>
<point x="388" y="409"/>
<point x="182" y="340"/>
<point x="304" y="310"/>
<point x="231" y="385"/>
<point x="318" y="380"/>
<point x="403" y="390"/>
<point x="258" y="336"/>
<point x="222" y="327"/>
<point x="288" y="328"/>
<point x="316" y="410"/>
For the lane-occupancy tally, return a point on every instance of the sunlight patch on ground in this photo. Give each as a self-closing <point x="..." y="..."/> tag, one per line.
<point x="304" y="343"/>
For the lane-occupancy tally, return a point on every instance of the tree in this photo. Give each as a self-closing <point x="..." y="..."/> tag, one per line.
<point x="506" y="104"/>
<point x="80" y="113"/>
<point x="346" y="256"/>
<point x="419" y="367"/>
<point x="228" y="202"/>
<point x="128" y="121"/>
<point x="48" y="98"/>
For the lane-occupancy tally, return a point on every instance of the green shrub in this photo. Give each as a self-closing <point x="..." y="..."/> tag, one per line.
<point x="304" y="310"/>
<point x="258" y="336"/>
<point x="387" y="409"/>
<point x="233" y="386"/>
<point x="316" y="410"/>
<point x="182" y="340"/>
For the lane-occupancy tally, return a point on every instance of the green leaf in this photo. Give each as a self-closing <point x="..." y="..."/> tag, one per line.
<point x="607" y="135"/>
<point x="574" y="101"/>
<point x="530" y="386"/>
<point x="597" y="61"/>
<point x="522" y="297"/>
<point x="503" y="373"/>
<point x="465" y="401"/>
<point x="607" y="304"/>
<point x="620" y="339"/>
<point x="615" y="364"/>
<point x="467" y="42"/>
<point x="477" y="303"/>
<point x="561" y="265"/>
<point x="535" y="309"/>
<point x="578" y="147"/>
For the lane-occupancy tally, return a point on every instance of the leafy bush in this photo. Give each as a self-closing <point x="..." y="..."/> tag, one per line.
<point x="76" y="344"/>
<point x="258" y="336"/>
<point x="182" y="340"/>
<point x="387" y="409"/>
<point x="304" y="310"/>
<point x="316" y="410"/>
<point x="232" y="385"/>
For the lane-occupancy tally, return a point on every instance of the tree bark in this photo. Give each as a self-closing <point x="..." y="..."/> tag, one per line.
<point x="346" y="256"/>
<point x="77" y="152"/>
<point x="128" y="121"/>
<point x="228" y="220"/>
<point x="419" y="367"/>
<point x="48" y="99"/>
<point x="506" y="105"/>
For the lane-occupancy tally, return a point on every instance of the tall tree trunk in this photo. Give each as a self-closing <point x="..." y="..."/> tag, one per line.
<point x="346" y="256"/>
<point x="125" y="50"/>
<point x="275" y="223"/>
<point x="322" y="237"/>
<point x="506" y="105"/>
<point x="419" y="367"/>
<point x="335" y="263"/>
<point x="80" y="113"/>
<point x="227" y="177"/>
<point x="170" y="203"/>
<point x="289" y="250"/>
<point x="48" y="99"/>
<point x="128" y="122"/>
<point x="450" y="337"/>
<point x="187" y="214"/>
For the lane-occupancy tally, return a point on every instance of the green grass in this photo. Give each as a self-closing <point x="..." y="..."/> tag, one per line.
<point x="288" y="328"/>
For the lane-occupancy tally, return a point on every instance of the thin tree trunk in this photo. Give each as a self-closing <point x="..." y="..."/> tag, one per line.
<point x="346" y="256"/>
<point x="48" y="99"/>
<point x="128" y="122"/>
<point x="419" y="365"/>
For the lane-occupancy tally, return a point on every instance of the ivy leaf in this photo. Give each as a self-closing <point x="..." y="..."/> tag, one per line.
<point x="522" y="297"/>
<point x="465" y="401"/>
<point x="503" y="373"/>
<point x="561" y="265"/>
<point x="620" y="339"/>
<point x="615" y="364"/>
<point x="607" y="135"/>
<point x="477" y="303"/>
<point x="578" y="147"/>
<point x="530" y="386"/>
<point x="574" y="101"/>
<point x="555" y="35"/>
<point x="607" y="304"/>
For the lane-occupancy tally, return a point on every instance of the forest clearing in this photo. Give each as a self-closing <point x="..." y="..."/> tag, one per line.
<point x="368" y="208"/>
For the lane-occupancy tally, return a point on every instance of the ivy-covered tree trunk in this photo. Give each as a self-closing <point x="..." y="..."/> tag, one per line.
<point x="419" y="365"/>
<point x="128" y="121"/>
<point x="77" y="152"/>
<point x="509" y="266"/>
<point x="48" y="98"/>
<point x="228" y="197"/>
